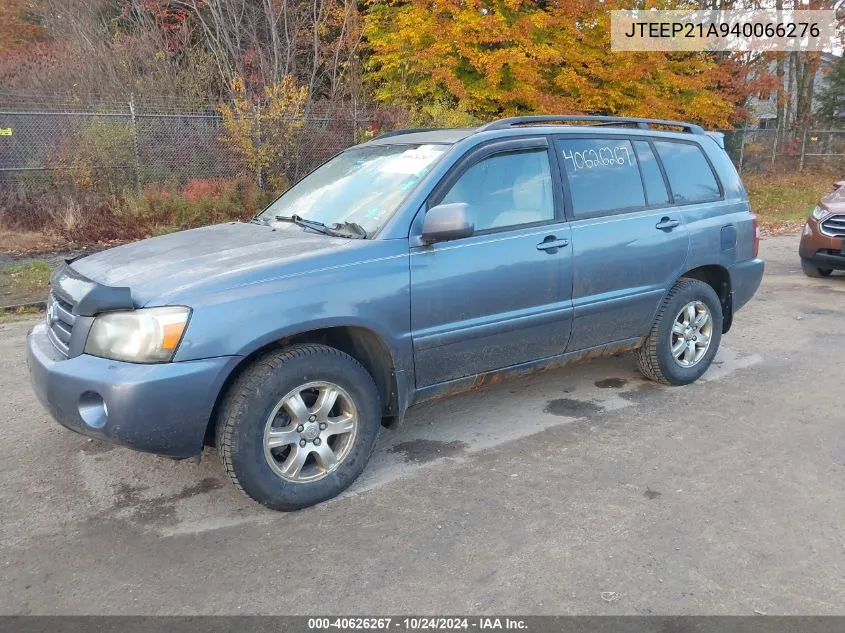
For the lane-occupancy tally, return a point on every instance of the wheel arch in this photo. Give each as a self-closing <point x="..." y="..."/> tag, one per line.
<point x="363" y="344"/>
<point x="719" y="278"/>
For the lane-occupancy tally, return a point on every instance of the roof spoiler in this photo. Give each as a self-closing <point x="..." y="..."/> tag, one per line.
<point x="719" y="137"/>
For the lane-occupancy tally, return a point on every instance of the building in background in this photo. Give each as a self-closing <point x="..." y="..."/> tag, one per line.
<point x="764" y="111"/>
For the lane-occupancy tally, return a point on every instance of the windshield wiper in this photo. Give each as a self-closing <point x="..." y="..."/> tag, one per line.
<point x="339" y="229"/>
<point x="309" y="224"/>
<point x="259" y="220"/>
<point x="353" y="227"/>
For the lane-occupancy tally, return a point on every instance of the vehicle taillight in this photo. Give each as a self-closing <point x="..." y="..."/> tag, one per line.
<point x="756" y="224"/>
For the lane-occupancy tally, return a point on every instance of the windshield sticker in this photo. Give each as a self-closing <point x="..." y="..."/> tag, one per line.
<point x="598" y="157"/>
<point x="412" y="161"/>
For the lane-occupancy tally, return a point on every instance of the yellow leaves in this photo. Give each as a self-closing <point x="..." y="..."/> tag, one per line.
<point x="512" y="57"/>
<point x="239" y="87"/>
<point x="261" y="131"/>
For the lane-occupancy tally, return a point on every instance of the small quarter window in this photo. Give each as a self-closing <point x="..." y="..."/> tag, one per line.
<point x="603" y="175"/>
<point x="690" y="176"/>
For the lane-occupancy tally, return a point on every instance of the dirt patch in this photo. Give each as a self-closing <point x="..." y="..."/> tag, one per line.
<point x="572" y="408"/>
<point x="823" y="312"/>
<point x="95" y="447"/>
<point x="611" y="383"/>
<point x="420" y="451"/>
<point x="642" y="393"/>
<point x="158" y="509"/>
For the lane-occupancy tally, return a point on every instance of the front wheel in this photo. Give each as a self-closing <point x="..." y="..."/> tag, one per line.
<point x="298" y="426"/>
<point x="685" y="335"/>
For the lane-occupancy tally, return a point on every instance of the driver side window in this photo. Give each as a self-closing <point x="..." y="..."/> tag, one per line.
<point x="508" y="189"/>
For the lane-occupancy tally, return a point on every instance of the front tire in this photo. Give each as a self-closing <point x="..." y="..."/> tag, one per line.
<point x="298" y="426"/>
<point x="685" y="335"/>
<point x="814" y="271"/>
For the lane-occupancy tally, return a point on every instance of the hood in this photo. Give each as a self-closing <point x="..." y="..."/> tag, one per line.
<point x="224" y="254"/>
<point x="835" y="200"/>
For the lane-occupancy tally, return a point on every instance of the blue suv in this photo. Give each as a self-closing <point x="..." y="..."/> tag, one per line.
<point x="418" y="264"/>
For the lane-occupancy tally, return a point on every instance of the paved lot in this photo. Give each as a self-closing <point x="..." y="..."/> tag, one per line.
<point x="540" y="495"/>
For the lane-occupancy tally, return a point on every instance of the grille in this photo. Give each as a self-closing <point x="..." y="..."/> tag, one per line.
<point x="834" y="225"/>
<point x="60" y="320"/>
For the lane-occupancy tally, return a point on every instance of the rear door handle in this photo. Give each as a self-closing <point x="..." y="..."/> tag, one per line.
<point x="550" y="244"/>
<point x="667" y="224"/>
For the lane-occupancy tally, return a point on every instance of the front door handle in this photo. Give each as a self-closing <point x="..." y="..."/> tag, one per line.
<point x="550" y="244"/>
<point x="667" y="224"/>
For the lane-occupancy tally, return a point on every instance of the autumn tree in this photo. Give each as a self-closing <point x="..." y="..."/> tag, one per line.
<point x="262" y="41"/>
<point x="507" y="57"/>
<point x="262" y="129"/>
<point x="832" y="98"/>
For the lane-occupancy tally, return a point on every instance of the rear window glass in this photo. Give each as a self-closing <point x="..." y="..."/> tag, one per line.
<point x="602" y="174"/>
<point x="655" y="187"/>
<point x="690" y="176"/>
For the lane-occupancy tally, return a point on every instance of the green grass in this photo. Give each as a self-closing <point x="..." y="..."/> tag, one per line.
<point x="781" y="200"/>
<point x="24" y="282"/>
<point x="19" y="314"/>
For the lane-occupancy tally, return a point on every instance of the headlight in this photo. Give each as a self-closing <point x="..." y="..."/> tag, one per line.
<point x="820" y="214"/>
<point x="148" y="335"/>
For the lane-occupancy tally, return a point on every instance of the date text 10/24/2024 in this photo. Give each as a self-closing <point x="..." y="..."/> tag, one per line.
<point x="418" y="623"/>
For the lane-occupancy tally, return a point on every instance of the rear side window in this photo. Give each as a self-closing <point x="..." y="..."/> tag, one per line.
<point x="690" y="176"/>
<point x="602" y="174"/>
<point x="655" y="187"/>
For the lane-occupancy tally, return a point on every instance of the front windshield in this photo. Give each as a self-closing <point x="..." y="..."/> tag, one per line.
<point x="362" y="186"/>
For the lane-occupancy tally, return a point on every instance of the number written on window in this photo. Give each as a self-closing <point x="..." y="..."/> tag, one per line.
<point x="601" y="156"/>
<point x="602" y="174"/>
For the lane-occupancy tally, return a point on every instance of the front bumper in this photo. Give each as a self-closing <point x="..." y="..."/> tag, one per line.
<point x="163" y="408"/>
<point x="820" y="249"/>
<point x="825" y="258"/>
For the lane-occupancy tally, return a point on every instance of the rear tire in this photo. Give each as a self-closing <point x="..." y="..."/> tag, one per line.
<point x="812" y="270"/>
<point x="685" y="335"/>
<point x="298" y="426"/>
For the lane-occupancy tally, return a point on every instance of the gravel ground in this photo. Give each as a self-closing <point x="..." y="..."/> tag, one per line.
<point x="584" y="490"/>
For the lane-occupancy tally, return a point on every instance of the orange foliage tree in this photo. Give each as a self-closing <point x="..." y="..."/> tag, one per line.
<point x="506" y="57"/>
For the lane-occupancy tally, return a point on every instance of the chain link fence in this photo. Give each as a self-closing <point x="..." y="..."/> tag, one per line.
<point x="754" y="150"/>
<point x="50" y="148"/>
<point x="118" y="147"/>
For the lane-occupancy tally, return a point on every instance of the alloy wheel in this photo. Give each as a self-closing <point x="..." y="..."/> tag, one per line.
<point x="691" y="334"/>
<point x="310" y="431"/>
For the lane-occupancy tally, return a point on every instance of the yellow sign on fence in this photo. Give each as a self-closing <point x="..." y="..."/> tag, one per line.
<point x="5" y="131"/>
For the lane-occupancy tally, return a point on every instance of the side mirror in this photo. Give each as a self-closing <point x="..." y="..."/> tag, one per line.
<point x="447" y="222"/>
<point x="838" y="184"/>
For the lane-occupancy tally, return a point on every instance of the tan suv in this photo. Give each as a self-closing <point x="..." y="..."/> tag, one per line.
<point x="822" y="248"/>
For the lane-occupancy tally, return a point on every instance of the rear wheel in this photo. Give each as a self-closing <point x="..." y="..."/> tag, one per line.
<point x="298" y="426"/>
<point x="812" y="270"/>
<point x="685" y="336"/>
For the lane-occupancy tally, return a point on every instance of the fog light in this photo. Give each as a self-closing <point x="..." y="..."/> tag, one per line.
<point x="807" y="229"/>
<point x="92" y="409"/>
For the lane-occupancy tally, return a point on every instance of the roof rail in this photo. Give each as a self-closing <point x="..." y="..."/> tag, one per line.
<point x="401" y="132"/>
<point x="644" y="124"/>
